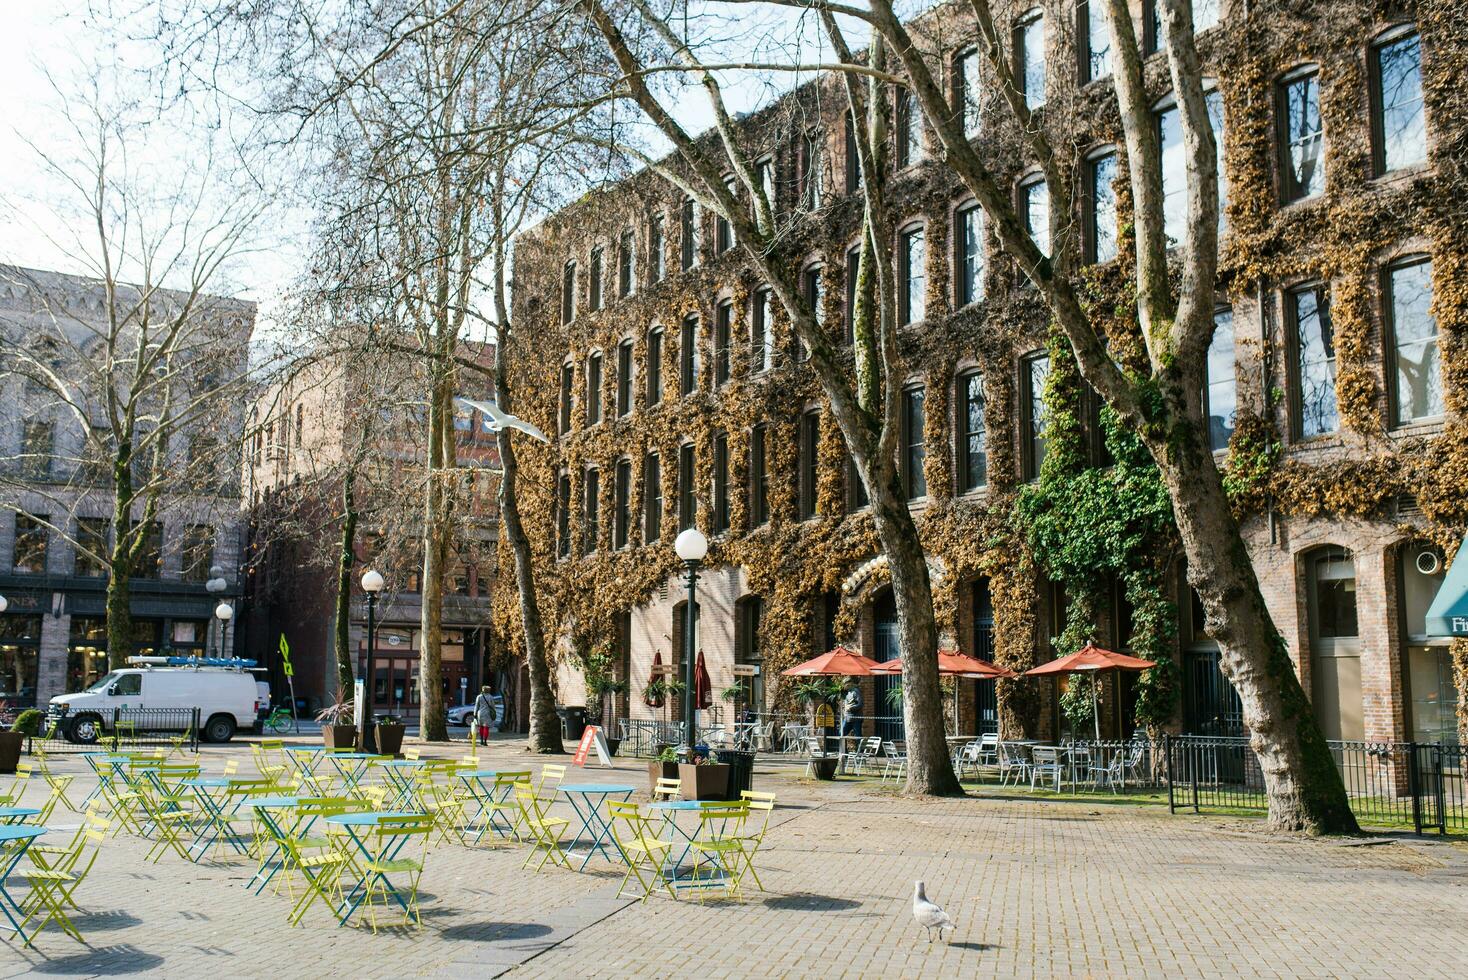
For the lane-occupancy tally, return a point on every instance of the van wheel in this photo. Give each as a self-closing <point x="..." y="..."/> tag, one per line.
<point x="85" y="729"/>
<point x="220" y="728"/>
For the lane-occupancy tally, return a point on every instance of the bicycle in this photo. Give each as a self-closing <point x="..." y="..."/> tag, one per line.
<point x="280" y="721"/>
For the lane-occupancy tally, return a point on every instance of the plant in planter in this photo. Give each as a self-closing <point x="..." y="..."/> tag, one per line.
<point x="665" y="766"/>
<point x="660" y="691"/>
<point x="605" y="688"/>
<point x="390" y="731"/>
<point x="27" y="724"/>
<point x="337" y="730"/>
<point x="702" y="778"/>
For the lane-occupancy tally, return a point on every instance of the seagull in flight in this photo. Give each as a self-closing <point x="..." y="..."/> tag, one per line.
<point x="499" y="420"/>
<point x="929" y="915"/>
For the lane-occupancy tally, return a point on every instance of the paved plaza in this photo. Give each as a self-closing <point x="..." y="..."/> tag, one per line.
<point x="1037" y="889"/>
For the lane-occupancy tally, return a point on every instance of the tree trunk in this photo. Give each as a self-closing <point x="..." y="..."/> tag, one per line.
<point x="1300" y="776"/>
<point x="346" y="560"/>
<point x="545" y="727"/>
<point x="120" y="565"/>
<point x="433" y="726"/>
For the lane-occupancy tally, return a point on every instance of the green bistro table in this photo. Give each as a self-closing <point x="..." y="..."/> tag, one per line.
<point x="480" y="783"/>
<point x="15" y="840"/>
<point x="588" y="800"/>
<point x="351" y="766"/>
<point x="398" y="774"/>
<point x="670" y="811"/>
<point x="213" y="795"/>
<point x="265" y="807"/>
<point x="358" y="826"/>
<point x="306" y="757"/>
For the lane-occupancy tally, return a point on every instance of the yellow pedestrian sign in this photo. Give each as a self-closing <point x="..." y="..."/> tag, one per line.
<point x="285" y="657"/>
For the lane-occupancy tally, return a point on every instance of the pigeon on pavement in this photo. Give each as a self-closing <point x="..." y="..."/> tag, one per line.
<point x="928" y="915"/>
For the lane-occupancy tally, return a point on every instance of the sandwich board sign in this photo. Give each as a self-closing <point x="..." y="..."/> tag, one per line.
<point x="592" y="738"/>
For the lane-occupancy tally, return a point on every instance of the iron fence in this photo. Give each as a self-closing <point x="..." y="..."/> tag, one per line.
<point x="644" y="735"/>
<point x="121" y="728"/>
<point x="1408" y="784"/>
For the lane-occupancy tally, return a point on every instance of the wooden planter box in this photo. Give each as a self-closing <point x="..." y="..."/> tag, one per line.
<point x="339" y="736"/>
<point x="390" y="739"/>
<point x="10" y="745"/>
<point x="660" y="770"/>
<point x="707" y="782"/>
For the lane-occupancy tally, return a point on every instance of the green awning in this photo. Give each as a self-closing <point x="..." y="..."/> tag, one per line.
<point x="1448" y="614"/>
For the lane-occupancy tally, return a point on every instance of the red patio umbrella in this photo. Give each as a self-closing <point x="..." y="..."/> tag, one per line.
<point x="703" y="686"/>
<point x="840" y="662"/>
<point x="648" y="697"/>
<point x="1090" y="658"/>
<point x="953" y="663"/>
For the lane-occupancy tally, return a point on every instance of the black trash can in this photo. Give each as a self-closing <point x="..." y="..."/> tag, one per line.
<point x="741" y="770"/>
<point x="573" y="721"/>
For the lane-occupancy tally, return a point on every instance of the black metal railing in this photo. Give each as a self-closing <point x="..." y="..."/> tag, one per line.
<point x="1405" y="784"/>
<point x="118" y="729"/>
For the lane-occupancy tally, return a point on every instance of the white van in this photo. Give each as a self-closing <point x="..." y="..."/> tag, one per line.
<point x="226" y="697"/>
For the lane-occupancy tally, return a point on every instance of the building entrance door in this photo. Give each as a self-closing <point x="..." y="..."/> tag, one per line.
<point x="886" y="647"/>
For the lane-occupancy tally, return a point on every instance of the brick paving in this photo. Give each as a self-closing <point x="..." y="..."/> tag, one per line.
<point x="1037" y="889"/>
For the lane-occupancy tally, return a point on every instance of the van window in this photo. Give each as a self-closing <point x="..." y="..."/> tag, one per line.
<point x="104" y="683"/>
<point x="130" y="684"/>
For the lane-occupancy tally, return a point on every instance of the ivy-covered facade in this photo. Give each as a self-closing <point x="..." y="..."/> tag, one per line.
<point x="1336" y="392"/>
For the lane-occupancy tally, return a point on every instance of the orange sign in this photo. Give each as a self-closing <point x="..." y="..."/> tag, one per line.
<point x="587" y="737"/>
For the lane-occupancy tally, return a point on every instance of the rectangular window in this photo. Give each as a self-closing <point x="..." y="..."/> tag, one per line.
<point x="1174" y="167"/>
<point x="723" y="318"/>
<point x="1220" y="402"/>
<point x="968" y="241"/>
<point x="687" y="510"/>
<point x="591" y="511"/>
<point x="914" y="452"/>
<point x="913" y="256"/>
<point x="761" y="350"/>
<point x="723" y="231"/>
<point x="1398" y="123"/>
<point x="626" y="252"/>
<point x="595" y="273"/>
<point x="1029" y="57"/>
<point x="759" y="477"/>
<point x="909" y="128"/>
<point x="814" y="291"/>
<point x="764" y="179"/>
<point x="1094" y="34"/>
<point x="30" y="544"/>
<point x="593" y="389"/>
<point x="688" y="225"/>
<point x="853" y="158"/>
<point x="856" y="490"/>
<point x="853" y="273"/>
<point x="973" y="448"/>
<point x="1034" y="203"/>
<point x="198" y="552"/>
<point x="622" y="516"/>
<point x="1301" y="137"/>
<point x="652" y="499"/>
<point x="653" y="367"/>
<point x="806" y="459"/>
<point x="1313" y="362"/>
<point x="655" y="270"/>
<point x="810" y="171"/>
<point x="1101" y="228"/>
<point x="688" y="356"/>
<point x="1417" y="384"/>
<point x="966" y="90"/>
<point x="150" y="558"/>
<point x="624" y="378"/>
<point x="1033" y="372"/>
<point x="1154" y="35"/>
<point x="568" y="293"/>
<point x="564" y="417"/>
<point x="38" y="448"/>
<point x="721" y="483"/>
<point x="563" y="515"/>
<point x="90" y="556"/>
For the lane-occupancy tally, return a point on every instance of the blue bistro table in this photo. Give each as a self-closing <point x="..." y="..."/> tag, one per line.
<point x="213" y="795"/>
<point x="305" y="757"/>
<point x="16" y="814"/>
<point x="587" y="800"/>
<point x="398" y="774"/>
<point x="264" y="809"/>
<point x="358" y="826"/>
<point x="107" y="766"/>
<point x="481" y="786"/>
<point x="671" y="811"/>
<point x="15" y="840"/>
<point x="351" y="766"/>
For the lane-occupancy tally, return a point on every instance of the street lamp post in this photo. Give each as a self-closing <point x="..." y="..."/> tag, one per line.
<point x="691" y="546"/>
<point x="372" y="584"/>
<point x="215" y="586"/>
<point x="223" y="612"/>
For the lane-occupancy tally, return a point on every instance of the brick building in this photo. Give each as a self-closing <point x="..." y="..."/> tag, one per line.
<point x="347" y="412"/>
<point x="53" y="635"/>
<point x="679" y="397"/>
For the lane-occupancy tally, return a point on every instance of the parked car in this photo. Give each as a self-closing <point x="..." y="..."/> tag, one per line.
<point x="227" y="699"/>
<point x="463" y="714"/>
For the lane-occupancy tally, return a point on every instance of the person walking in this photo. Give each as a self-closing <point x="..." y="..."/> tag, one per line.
<point x="850" y="708"/>
<point x="484" y="713"/>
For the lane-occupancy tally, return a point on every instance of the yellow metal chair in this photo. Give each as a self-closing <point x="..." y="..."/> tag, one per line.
<point x="550" y="780"/>
<point x="54" y="888"/>
<point x="446" y="805"/>
<point x="638" y="841"/>
<point x="667" y="789"/>
<point x="545" y="831"/>
<point x="390" y="838"/>
<point x="59" y="785"/>
<point x="321" y="864"/>
<point x="720" y="848"/>
<point x="503" y="806"/>
<point x="760" y="806"/>
<point x="177" y="743"/>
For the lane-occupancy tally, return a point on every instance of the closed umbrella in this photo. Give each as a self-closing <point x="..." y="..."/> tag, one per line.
<point x="653" y="696"/>
<point x="1091" y="658"/>
<point x="703" y="686"/>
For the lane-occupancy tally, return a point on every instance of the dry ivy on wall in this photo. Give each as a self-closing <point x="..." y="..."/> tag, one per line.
<point x="1340" y="237"/>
